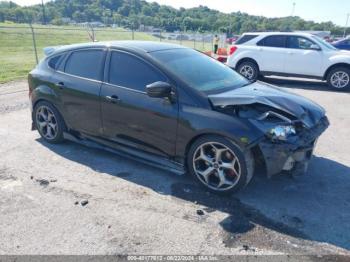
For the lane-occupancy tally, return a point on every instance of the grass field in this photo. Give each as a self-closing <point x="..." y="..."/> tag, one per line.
<point x="17" y="56"/>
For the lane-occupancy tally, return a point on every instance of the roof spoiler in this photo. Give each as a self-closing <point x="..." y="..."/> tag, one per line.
<point x="50" y="50"/>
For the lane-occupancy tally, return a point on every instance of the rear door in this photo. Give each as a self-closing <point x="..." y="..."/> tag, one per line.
<point x="272" y="51"/>
<point x="130" y="116"/>
<point x="79" y="84"/>
<point x="301" y="58"/>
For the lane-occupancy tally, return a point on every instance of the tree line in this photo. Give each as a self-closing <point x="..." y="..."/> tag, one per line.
<point x="133" y="13"/>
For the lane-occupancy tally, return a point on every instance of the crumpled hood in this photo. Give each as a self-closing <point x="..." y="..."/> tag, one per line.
<point x="302" y="108"/>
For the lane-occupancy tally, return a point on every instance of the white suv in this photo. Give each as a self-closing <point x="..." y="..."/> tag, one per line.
<point x="290" y="54"/>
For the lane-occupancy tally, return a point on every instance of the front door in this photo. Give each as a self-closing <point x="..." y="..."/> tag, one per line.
<point x="301" y="58"/>
<point x="129" y="115"/>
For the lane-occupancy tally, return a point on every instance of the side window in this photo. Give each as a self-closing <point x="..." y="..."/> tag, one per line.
<point x="85" y="63"/>
<point x="55" y="61"/>
<point x="298" y="42"/>
<point x="129" y="71"/>
<point x="244" y="39"/>
<point x="273" y="41"/>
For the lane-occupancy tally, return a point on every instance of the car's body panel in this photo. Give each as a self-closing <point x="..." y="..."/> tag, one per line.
<point x="191" y="125"/>
<point x="138" y="119"/>
<point x="303" y="109"/>
<point x="80" y="100"/>
<point x="307" y="62"/>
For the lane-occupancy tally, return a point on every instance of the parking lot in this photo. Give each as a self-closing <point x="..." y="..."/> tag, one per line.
<point x="70" y="199"/>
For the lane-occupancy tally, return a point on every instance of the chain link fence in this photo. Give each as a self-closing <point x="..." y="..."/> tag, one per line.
<point x="21" y="45"/>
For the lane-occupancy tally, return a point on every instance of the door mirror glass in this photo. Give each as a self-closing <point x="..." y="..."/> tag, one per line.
<point x="159" y="89"/>
<point x="315" y="47"/>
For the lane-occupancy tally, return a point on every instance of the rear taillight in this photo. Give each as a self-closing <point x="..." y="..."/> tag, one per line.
<point x="233" y="49"/>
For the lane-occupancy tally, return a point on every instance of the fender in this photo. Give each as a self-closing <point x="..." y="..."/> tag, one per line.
<point x="190" y="127"/>
<point x="44" y="92"/>
<point x="341" y="59"/>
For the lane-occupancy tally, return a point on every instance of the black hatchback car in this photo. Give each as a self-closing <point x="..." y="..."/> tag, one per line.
<point x="173" y="107"/>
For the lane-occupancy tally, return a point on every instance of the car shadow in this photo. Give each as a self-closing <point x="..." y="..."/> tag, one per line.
<point x="297" y="83"/>
<point x="312" y="207"/>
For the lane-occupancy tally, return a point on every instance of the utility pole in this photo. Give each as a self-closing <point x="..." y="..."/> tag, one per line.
<point x="43" y="8"/>
<point x="346" y="24"/>
<point x="293" y="9"/>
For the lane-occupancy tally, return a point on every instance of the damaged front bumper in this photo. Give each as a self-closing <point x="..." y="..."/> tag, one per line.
<point x="291" y="156"/>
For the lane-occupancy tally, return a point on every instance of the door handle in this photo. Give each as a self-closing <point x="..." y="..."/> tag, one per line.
<point x="113" y="98"/>
<point x="60" y="85"/>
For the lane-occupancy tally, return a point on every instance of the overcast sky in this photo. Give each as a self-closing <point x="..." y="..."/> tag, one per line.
<point x="317" y="10"/>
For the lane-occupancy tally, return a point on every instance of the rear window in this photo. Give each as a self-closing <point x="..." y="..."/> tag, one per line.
<point x="54" y="61"/>
<point x="85" y="63"/>
<point x="244" y="39"/>
<point x="273" y="41"/>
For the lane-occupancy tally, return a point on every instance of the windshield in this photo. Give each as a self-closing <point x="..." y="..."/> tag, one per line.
<point x="323" y="43"/>
<point x="200" y="71"/>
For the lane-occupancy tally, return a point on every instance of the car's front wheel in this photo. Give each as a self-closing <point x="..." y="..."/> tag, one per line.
<point x="249" y="70"/>
<point x="219" y="165"/>
<point x="339" y="79"/>
<point x="49" y="122"/>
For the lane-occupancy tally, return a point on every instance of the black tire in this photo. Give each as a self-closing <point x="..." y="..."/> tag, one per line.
<point x="249" y="70"/>
<point x="244" y="167"/>
<point x="56" y="120"/>
<point x="341" y="71"/>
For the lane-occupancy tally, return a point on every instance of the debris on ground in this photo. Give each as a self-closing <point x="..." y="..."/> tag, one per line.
<point x="43" y="182"/>
<point x="200" y="212"/>
<point x="247" y="248"/>
<point x="53" y="180"/>
<point x="84" y="202"/>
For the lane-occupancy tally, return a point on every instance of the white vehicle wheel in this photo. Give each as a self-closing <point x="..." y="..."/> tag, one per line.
<point x="249" y="70"/>
<point x="339" y="79"/>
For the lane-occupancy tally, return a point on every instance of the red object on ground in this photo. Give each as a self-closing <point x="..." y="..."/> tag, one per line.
<point x="222" y="59"/>
<point x="222" y="51"/>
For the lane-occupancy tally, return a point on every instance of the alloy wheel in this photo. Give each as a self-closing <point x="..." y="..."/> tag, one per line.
<point x="216" y="166"/>
<point x="46" y="122"/>
<point x="247" y="71"/>
<point x="340" y="79"/>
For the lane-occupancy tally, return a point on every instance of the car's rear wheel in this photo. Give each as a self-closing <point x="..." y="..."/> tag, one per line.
<point x="219" y="165"/>
<point x="249" y="70"/>
<point x="49" y="122"/>
<point x="339" y="79"/>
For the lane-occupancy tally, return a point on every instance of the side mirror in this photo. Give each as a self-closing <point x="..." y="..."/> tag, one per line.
<point x="315" y="47"/>
<point x="159" y="89"/>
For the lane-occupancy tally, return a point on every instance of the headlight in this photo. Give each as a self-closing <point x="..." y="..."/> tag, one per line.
<point x="281" y="132"/>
